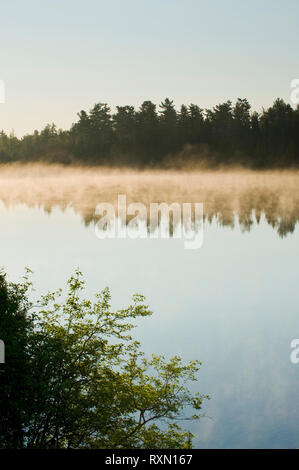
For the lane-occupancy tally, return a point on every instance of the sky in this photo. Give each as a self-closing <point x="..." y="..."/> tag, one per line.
<point x="60" y="56"/>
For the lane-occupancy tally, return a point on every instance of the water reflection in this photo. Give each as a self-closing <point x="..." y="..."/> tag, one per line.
<point x="232" y="304"/>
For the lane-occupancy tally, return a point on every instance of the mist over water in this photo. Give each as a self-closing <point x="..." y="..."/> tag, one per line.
<point x="226" y="194"/>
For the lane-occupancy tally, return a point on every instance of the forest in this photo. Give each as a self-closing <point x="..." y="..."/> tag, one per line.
<point x="151" y="136"/>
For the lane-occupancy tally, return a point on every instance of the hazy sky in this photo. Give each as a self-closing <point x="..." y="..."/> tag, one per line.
<point x="60" y="56"/>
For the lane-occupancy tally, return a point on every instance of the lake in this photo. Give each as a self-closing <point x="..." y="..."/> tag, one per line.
<point x="233" y="304"/>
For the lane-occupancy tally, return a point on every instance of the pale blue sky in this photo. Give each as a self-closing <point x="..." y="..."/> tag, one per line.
<point x="60" y="56"/>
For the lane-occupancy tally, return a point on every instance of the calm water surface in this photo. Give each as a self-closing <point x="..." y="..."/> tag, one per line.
<point x="233" y="304"/>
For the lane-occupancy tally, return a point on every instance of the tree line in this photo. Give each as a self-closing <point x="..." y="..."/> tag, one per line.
<point x="154" y="136"/>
